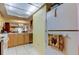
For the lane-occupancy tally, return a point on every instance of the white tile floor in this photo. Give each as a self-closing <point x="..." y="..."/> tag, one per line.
<point x="22" y="50"/>
<point x="28" y="49"/>
<point x="52" y="51"/>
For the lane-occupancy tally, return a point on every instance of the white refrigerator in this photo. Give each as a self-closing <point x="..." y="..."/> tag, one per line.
<point x="65" y="23"/>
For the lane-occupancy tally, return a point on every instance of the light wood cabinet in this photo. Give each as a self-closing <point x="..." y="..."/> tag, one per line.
<point x="31" y="38"/>
<point x="26" y="38"/>
<point x="11" y="40"/>
<point x="15" y="39"/>
<point x="18" y="39"/>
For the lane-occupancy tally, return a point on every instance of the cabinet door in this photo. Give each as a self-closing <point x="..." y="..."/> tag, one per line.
<point x="26" y="38"/>
<point x="11" y="40"/>
<point x="51" y="20"/>
<point x="66" y="17"/>
<point x="31" y="38"/>
<point x="20" y="39"/>
<point x="15" y="40"/>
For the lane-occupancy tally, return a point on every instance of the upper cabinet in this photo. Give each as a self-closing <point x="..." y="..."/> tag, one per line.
<point x="65" y="19"/>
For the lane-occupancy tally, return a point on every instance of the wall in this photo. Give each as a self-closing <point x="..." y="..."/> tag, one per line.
<point x="12" y="20"/>
<point x="2" y="20"/>
<point x="39" y="29"/>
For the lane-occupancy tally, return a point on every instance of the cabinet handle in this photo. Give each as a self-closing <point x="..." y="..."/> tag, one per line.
<point x="56" y="12"/>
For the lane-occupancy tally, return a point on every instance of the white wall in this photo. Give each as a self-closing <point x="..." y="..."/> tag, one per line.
<point x="66" y="18"/>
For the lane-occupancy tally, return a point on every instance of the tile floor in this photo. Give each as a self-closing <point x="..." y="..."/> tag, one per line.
<point x="52" y="51"/>
<point x="22" y="50"/>
<point x="28" y="49"/>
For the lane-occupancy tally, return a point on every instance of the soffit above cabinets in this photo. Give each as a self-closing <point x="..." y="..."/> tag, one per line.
<point x="24" y="10"/>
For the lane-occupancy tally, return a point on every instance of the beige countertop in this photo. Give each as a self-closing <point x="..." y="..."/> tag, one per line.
<point x="21" y="33"/>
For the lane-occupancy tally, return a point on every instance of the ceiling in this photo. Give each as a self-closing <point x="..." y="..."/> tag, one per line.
<point x="23" y="10"/>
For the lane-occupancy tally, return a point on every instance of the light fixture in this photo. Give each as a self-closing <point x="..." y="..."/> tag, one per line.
<point x="11" y="8"/>
<point x="28" y="13"/>
<point x="32" y="9"/>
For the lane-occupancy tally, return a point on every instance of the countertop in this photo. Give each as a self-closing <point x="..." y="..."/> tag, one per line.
<point x="21" y="33"/>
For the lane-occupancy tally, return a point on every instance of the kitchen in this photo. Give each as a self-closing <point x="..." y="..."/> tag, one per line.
<point x="18" y="33"/>
<point x="17" y="22"/>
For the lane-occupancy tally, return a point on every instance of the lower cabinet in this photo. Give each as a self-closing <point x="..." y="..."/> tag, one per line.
<point x="31" y="38"/>
<point x="0" y="48"/>
<point x="18" y="39"/>
<point x="26" y="38"/>
<point x="11" y="40"/>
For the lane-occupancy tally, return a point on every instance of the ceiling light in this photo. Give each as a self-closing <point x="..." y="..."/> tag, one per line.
<point x="28" y="13"/>
<point x="11" y="8"/>
<point x="32" y="9"/>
